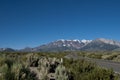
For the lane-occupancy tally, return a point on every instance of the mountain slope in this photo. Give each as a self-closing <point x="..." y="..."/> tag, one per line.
<point x="6" y="50"/>
<point x="101" y="44"/>
<point x="62" y="45"/>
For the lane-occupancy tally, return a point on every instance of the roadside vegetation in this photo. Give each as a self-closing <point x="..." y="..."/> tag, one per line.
<point x="55" y="66"/>
<point x="114" y="56"/>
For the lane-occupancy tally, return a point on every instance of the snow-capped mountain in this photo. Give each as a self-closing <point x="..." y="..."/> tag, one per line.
<point x="63" y="45"/>
<point x="99" y="44"/>
<point x="72" y="43"/>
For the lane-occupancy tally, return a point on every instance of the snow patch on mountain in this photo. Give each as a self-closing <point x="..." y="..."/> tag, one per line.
<point x="86" y="41"/>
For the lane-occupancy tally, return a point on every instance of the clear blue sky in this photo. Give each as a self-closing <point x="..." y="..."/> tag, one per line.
<point x="34" y="22"/>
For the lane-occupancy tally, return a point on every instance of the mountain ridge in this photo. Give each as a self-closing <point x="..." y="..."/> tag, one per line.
<point x="99" y="44"/>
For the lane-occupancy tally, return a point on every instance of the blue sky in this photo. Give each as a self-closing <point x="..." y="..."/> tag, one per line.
<point x="34" y="22"/>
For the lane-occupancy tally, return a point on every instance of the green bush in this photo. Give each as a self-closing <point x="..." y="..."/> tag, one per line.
<point x="14" y="66"/>
<point x="84" y="70"/>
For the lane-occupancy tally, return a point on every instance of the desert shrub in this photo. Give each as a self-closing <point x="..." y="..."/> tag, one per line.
<point x="12" y="69"/>
<point x="14" y="66"/>
<point x="84" y="70"/>
<point x="94" y="55"/>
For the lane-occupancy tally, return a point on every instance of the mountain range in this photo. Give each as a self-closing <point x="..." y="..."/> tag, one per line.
<point x="99" y="44"/>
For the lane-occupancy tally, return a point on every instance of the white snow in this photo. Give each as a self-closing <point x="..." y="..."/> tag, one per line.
<point x="64" y="45"/>
<point x="75" y="40"/>
<point x="62" y="40"/>
<point x="86" y="41"/>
